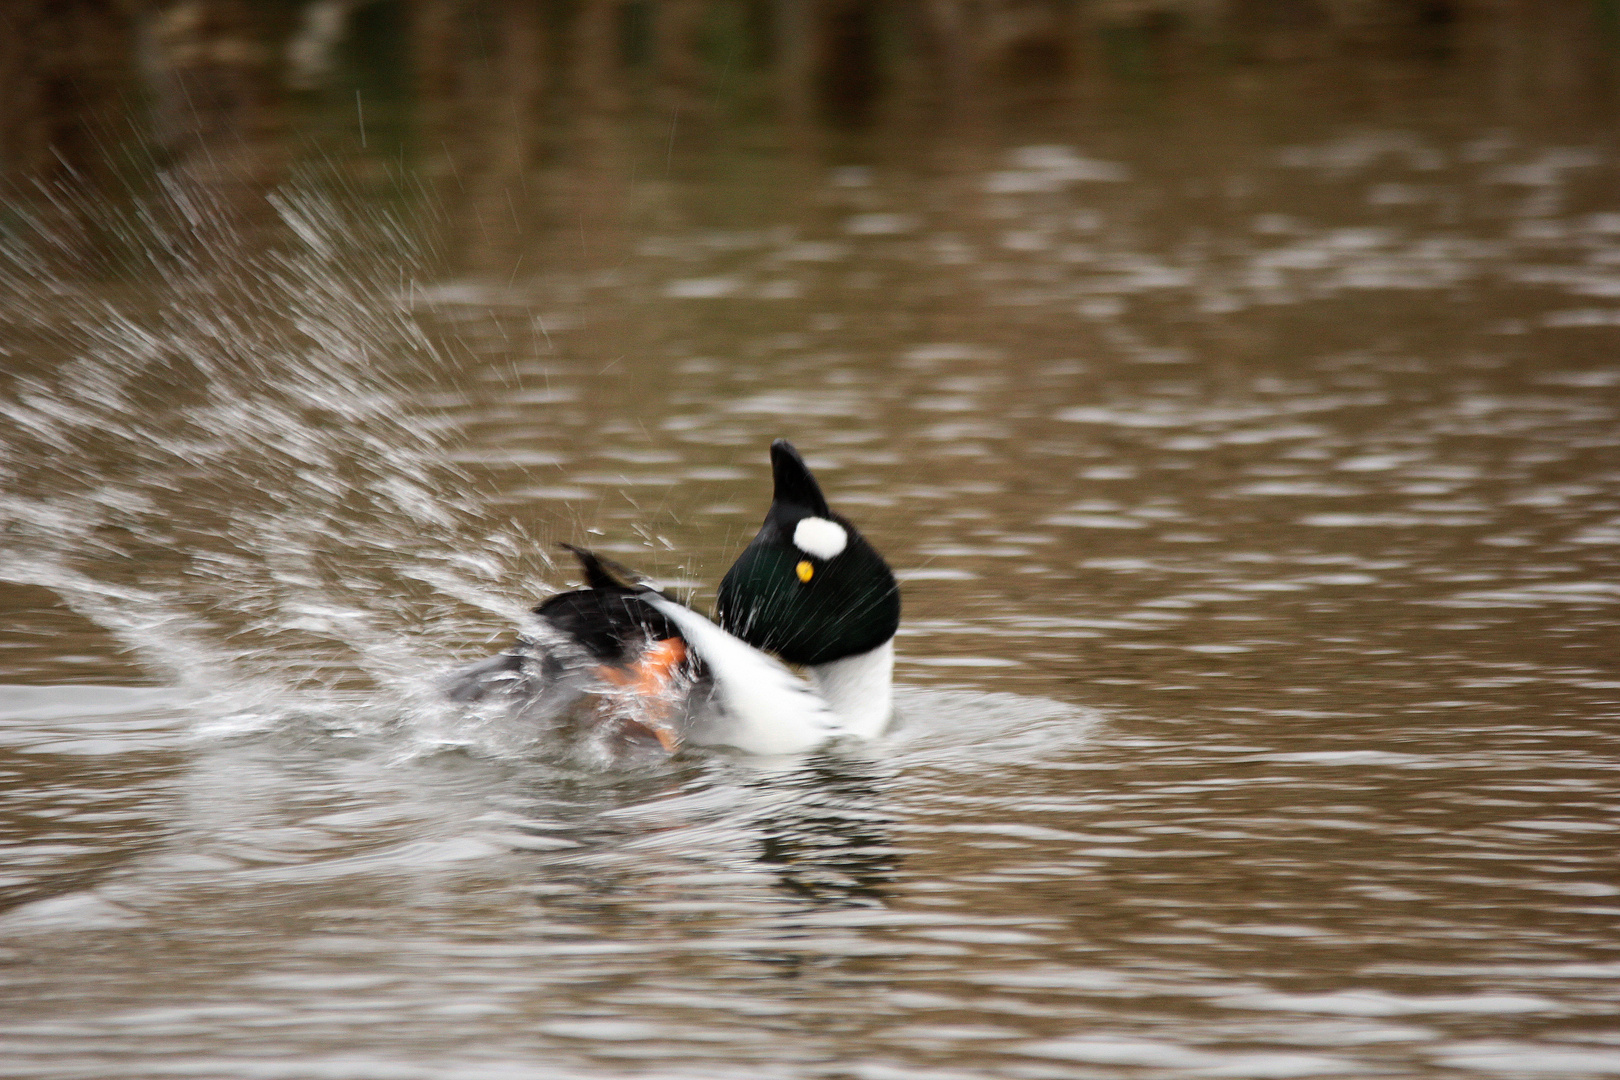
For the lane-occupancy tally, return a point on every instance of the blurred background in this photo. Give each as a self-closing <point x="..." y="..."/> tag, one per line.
<point x="526" y="121"/>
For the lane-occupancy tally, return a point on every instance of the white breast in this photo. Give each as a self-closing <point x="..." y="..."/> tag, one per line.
<point x="860" y="689"/>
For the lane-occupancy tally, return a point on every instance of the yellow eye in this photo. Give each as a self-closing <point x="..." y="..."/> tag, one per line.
<point x="805" y="570"/>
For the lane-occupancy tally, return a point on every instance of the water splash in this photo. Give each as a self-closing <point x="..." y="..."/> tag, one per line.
<point x="220" y="459"/>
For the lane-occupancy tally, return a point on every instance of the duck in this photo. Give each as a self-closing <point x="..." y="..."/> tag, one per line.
<point x="630" y="665"/>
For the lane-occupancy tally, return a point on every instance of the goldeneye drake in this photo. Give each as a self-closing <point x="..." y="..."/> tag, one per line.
<point x="628" y="663"/>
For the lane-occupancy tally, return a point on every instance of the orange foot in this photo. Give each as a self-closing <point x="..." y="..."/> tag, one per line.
<point x="649" y="680"/>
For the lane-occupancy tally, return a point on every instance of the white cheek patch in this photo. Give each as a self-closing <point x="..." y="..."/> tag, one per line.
<point x="819" y="537"/>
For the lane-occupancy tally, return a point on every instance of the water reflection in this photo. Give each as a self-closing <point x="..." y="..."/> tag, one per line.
<point x="830" y="847"/>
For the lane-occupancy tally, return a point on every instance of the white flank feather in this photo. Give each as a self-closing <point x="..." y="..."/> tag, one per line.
<point x="769" y="710"/>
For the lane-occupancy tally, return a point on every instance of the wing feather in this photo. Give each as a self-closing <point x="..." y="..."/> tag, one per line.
<point x="770" y="710"/>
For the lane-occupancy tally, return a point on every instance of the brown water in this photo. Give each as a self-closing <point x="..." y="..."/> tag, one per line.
<point x="1254" y="479"/>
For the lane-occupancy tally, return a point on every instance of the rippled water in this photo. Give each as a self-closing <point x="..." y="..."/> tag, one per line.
<point x="1258" y="526"/>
